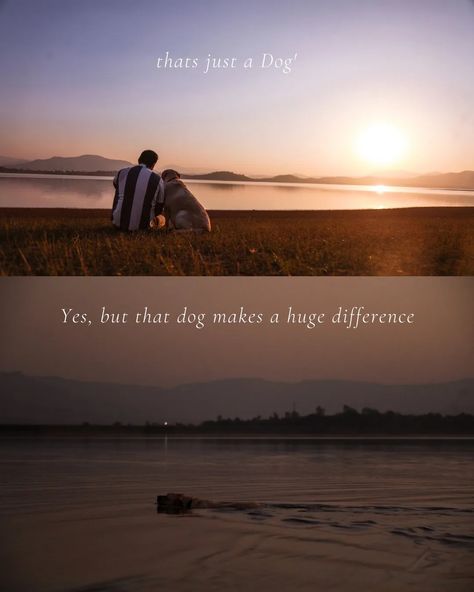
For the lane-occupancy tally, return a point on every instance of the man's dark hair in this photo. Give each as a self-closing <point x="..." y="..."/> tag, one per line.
<point x="148" y="157"/>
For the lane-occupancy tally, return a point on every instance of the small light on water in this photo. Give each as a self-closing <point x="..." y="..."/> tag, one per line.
<point x="380" y="189"/>
<point x="166" y="423"/>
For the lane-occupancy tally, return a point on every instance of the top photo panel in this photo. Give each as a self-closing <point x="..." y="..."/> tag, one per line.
<point x="223" y="138"/>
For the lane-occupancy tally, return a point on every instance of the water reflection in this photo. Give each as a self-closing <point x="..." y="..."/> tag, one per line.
<point x="58" y="191"/>
<point x="56" y="474"/>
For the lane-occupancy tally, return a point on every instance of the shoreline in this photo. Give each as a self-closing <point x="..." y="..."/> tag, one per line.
<point x="100" y="212"/>
<point x="79" y="432"/>
<point x="225" y="177"/>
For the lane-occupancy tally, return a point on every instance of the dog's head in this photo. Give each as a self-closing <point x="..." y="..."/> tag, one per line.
<point x="170" y="175"/>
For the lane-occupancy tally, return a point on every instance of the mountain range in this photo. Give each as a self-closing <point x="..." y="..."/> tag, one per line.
<point x="87" y="163"/>
<point x="8" y="161"/>
<point x="91" y="163"/>
<point x="463" y="180"/>
<point x="54" y="400"/>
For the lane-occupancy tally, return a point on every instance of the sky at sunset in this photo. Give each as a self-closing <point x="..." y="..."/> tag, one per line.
<point x="376" y="85"/>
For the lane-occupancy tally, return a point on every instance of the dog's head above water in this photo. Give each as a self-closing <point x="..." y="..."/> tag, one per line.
<point x="170" y="175"/>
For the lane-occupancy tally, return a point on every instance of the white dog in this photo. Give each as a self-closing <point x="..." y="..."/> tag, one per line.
<point x="182" y="210"/>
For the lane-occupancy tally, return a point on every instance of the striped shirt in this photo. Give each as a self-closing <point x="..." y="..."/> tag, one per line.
<point x="139" y="197"/>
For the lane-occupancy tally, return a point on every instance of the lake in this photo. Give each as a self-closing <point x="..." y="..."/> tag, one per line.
<point x="79" y="515"/>
<point x="69" y="191"/>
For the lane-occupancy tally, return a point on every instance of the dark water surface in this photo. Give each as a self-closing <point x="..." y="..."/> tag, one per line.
<point x="47" y="474"/>
<point x="79" y="515"/>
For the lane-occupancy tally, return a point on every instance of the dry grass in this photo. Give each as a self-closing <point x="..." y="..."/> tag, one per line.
<point x="424" y="241"/>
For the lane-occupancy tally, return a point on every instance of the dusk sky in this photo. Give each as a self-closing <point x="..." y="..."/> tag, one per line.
<point x="376" y="85"/>
<point x="437" y="347"/>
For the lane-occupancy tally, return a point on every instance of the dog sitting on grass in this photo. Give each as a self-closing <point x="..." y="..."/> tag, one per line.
<point x="183" y="212"/>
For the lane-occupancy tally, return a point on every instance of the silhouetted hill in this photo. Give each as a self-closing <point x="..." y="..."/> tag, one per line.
<point x="8" y="161"/>
<point x="288" y="179"/>
<point x="51" y="400"/>
<point x="463" y="180"/>
<point x="89" y="163"/>
<point x="84" y="163"/>
<point x="218" y="176"/>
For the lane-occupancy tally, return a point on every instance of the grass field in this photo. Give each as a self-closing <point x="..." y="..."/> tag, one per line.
<point x="421" y="241"/>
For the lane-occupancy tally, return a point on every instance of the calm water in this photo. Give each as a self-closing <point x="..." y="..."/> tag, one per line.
<point x="96" y="192"/>
<point x="79" y="516"/>
<point x="58" y="474"/>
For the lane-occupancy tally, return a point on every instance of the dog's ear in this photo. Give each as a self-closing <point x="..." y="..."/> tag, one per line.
<point x="169" y="174"/>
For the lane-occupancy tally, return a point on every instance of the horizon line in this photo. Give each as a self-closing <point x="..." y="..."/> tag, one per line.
<point x="385" y="172"/>
<point x="234" y="378"/>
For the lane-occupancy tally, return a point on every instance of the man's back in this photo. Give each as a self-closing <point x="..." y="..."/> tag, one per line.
<point x="139" y="196"/>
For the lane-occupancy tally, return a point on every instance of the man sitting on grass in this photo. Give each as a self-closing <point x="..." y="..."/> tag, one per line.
<point x="139" y="194"/>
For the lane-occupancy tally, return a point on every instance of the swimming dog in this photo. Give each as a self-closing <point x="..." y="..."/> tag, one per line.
<point x="177" y="503"/>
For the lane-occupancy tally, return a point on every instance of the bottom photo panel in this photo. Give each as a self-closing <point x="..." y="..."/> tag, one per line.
<point x="228" y="434"/>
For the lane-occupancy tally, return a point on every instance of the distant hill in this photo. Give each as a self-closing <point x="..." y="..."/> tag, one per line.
<point x="219" y="176"/>
<point x="288" y="179"/>
<point x="52" y="400"/>
<point x="190" y="170"/>
<point x="89" y="163"/>
<point x="85" y="163"/>
<point x="230" y="176"/>
<point x="8" y="161"/>
<point x="463" y="180"/>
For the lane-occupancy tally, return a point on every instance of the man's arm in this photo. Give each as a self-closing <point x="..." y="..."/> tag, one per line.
<point x="115" y="183"/>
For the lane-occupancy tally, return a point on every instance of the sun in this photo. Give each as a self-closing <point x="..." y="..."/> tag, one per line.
<point x="382" y="144"/>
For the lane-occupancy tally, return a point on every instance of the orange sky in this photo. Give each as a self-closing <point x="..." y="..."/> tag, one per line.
<point x="81" y="81"/>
